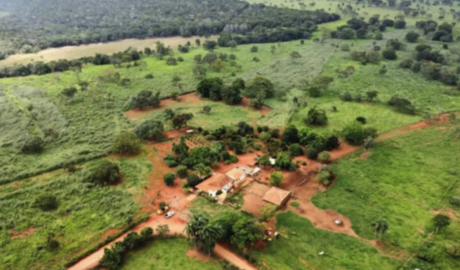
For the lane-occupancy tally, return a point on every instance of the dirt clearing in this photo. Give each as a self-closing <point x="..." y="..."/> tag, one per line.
<point x="75" y="52"/>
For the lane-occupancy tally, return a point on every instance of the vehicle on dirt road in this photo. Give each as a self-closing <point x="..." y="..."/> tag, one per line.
<point x="169" y="214"/>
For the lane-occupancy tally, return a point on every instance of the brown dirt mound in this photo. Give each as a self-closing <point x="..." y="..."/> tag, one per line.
<point x="22" y="234"/>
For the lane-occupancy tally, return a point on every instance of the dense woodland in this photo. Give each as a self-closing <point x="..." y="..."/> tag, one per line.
<point x="36" y="25"/>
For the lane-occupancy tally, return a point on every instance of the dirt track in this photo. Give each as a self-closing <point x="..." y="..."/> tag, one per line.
<point x="320" y="218"/>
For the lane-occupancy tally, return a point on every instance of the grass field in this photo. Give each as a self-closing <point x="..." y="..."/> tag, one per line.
<point x="166" y="254"/>
<point x="84" y="214"/>
<point x="404" y="181"/>
<point x="301" y="251"/>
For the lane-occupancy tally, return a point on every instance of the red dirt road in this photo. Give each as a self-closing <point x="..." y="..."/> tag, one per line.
<point x="176" y="226"/>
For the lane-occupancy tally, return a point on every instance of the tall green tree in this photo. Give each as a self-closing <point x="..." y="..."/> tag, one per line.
<point x="202" y="233"/>
<point x="246" y="233"/>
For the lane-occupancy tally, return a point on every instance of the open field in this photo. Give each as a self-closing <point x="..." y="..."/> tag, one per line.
<point x="76" y="52"/>
<point x="406" y="181"/>
<point x="167" y="254"/>
<point x="301" y="251"/>
<point x="85" y="213"/>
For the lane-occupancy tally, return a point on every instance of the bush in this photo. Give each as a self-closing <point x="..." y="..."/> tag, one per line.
<point x="312" y="153"/>
<point x="276" y="178"/>
<point x="389" y="54"/>
<point x="345" y="48"/>
<point x="412" y="36"/>
<point x="219" y="192"/>
<point x="106" y="173"/>
<point x="295" y="150"/>
<point x="126" y="143"/>
<point x="316" y="117"/>
<point x="181" y="172"/>
<point x="347" y="96"/>
<point x="324" y="156"/>
<point x="324" y="177"/>
<point x="193" y="180"/>
<point x="170" y="161"/>
<point x="149" y="76"/>
<point x="171" y="61"/>
<point x="331" y="143"/>
<point x="400" y="24"/>
<point x="265" y="137"/>
<point x="150" y="129"/>
<point x="254" y="49"/>
<point x="169" y="179"/>
<point x="354" y="133"/>
<point x="33" y="145"/>
<point x="406" y="63"/>
<point x="361" y="119"/>
<point x="46" y="202"/>
<point x="403" y="105"/>
<point x="416" y="67"/>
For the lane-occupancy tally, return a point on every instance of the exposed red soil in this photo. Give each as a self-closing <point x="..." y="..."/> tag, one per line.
<point x="448" y="212"/>
<point x="195" y="254"/>
<point x="246" y="103"/>
<point x="176" y="133"/>
<point x="439" y="120"/>
<point x="22" y="234"/>
<point x="109" y="232"/>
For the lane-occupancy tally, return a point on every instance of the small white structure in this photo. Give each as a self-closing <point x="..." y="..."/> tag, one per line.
<point x="190" y="131"/>
<point x="338" y="222"/>
<point x="272" y="161"/>
<point x="254" y="171"/>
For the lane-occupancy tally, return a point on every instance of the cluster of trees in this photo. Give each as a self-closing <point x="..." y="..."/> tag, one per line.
<point x="144" y="99"/>
<point x="432" y="64"/>
<point x="442" y="32"/>
<point x="114" y="256"/>
<point x="215" y="89"/>
<point x="71" y="23"/>
<point x="213" y="61"/>
<point x="360" y="29"/>
<point x="356" y="134"/>
<point x="41" y="68"/>
<point x="241" y="231"/>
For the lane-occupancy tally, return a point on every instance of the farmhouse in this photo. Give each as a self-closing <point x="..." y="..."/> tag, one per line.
<point x="215" y="183"/>
<point x="277" y="196"/>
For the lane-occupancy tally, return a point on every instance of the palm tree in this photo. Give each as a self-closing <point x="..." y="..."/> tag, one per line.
<point x="203" y="234"/>
<point x="380" y="227"/>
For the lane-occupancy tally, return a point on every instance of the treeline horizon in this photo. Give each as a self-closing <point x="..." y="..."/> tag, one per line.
<point x="31" y="27"/>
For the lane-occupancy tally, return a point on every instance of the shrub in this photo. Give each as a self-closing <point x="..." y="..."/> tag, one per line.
<point x="416" y="67"/>
<point x="389" y="54"/>
<point x="276" y="178"/>
<point x="265" y="137"/>
<point x="106" y="173"/>
<point x="171" y="61"/>
<point x="361" y="119"/>
<point x="406" y="63"/>
<point x="354" y="133"/>
<point x="126" y="143"/>
<point x="193" y="180"/>
<point x="347" y="96"/>
<point x="254" y="49"/>
<point x="345" y="48"/>
<point x="33" y="145"/>
<point x="331" y="143"/>
<point x="295" y="150"/>
<point x="403" y="105"/>
<point x="275" y="133"/>
<point x="150" y="129"/>
<point x="46" y="202"/>
<point x="324" y="156"/>
<point x="412" y="36"/>
<point x="324" y="177"/>
<point x="181" y="171"/>
<point x="219" y="192"/>
<point x="400" y="24"/>
<point x="169" y="179"/>
<point x="170" y="161"/>
<point x="311" y="152"/>
<point x="149" y="76"/>
<point x="316" y="117"/>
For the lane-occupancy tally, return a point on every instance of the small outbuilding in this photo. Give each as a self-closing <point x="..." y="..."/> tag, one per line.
<point x="277" y="196"/>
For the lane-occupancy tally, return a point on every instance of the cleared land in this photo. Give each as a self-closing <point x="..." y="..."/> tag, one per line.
<point x="76" y="52"/>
